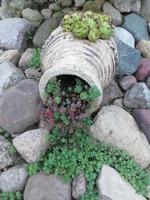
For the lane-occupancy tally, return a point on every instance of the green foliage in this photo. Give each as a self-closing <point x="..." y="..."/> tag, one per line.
<point x="11" y="196"/>
<point x="12" y="150"/>
<point x="79" y="152"/>
<point x="88" y="25"/>
<point x="91" y="94"/>
<point x="87" y="121"/>
<point x="65" y="119"/>
<point x="5" y="134"/>
<point x="78" y="87"/>
<point x="53" y="87"/>
<point x="35" y="61"/>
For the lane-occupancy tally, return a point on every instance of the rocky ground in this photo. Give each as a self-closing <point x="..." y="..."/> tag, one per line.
<point x="123" y="121"/>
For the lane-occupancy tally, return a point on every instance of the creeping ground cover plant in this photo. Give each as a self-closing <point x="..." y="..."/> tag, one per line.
<point x="72" y="149"/>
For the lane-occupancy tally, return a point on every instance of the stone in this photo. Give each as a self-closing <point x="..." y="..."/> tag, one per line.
<point x="6" y="159"/>
<point x="42" y="187"/>
<point x="144" y="47"/>
<point x="113" y="12"/>
<point x="91" y="6"/>
<point x="79" y="186"/>
<point x="31" y="144"/>
<point x="111" y="92"/>
<point x="118" y="102"/>
<point x="136" y="6"/>
<point x="142" y="117"/>
<point x="112" y="186"/>
<point x="124" y="6"/>
<point x="33" y="16"/>
<point x="127" y="82"/>
<point x="115" y="126"/>
<point x="44" y="31"/>
<point x="100" y="3"/>
<point x="143" y="71"/>
<point x="10" y="76"/>
<point x="46" y="13"/>
<point x="137" y="26"/>
<point x="20" y="107"/>
<point x="145" y="10"/>
<point x="11" y="55"/>
<point x="13" y="32"/>
<point x="13" y="8"/>
<point x="128" y="58"/>
<point x="33" y="74"/>
<point x="79" y="3"/>
<point x="55" y="7"/>
<point x="65" y="3"/>
<point x="41" y="1"/>
<point x="25" y="58"/>
<point x="1" y="52"/>
<point x="138" y="96"/>
<point x="126" y="37"/>
<point x="13" y="179"/>
<point x="148" y="82"/>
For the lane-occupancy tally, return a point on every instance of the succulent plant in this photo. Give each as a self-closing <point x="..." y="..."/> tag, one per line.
<point x="88" y="25"/>
<point x="80" y="30"/>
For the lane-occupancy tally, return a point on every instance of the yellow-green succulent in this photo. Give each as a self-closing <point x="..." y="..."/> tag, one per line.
<point x="88" y="25"/>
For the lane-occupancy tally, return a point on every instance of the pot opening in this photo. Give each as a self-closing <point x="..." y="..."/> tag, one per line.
<point x="68" y="100"/>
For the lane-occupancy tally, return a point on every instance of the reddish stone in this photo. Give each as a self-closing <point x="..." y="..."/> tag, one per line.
<point x="143" y="71"/>
<point x="127" y="82"/>
<point x="142" y="117"/>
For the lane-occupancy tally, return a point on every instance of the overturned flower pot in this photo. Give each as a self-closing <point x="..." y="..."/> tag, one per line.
<point x="94" y="63"/>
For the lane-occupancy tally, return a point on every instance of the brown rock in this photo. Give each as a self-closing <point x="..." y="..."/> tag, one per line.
<point x="144" y="47"/>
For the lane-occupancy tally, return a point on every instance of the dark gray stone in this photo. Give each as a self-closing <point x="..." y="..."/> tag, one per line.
<point x="137" y="26"/>
<point x="44" y="31"/>
<point x="20" y="107"/>
<point x="142" y="117"/>
<point x="129" y="58"/>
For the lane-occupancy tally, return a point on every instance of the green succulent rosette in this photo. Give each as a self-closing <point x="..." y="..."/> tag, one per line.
<point x="80" y="30"/>
<point x="88" y="25"/>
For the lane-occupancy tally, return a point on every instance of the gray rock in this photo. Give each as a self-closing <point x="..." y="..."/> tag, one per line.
<point x="31" y="144"/>
<point x="13" y="8"/>
<point x="44" y="31"/>
<point x="113" y="12"/>
<point x="33" y="16"/>
<point x="111" y="92"/>
<point x="6" y="159"/>
<point x="127" y="82"/>
<point x="142" y="117"/>
<point x="10" y="76"/>
<point x="79" y="3"/>
<point x="20" y="107"/>
<point x="41" y="187"/>
<point x="14" y="179"/>
<point x="112" y="186"/>
<point x="115" y="126"/>
<point x="137" y="26"/>
<point x="79" y="186"/>
<point x="33" y="74"/>
<point x="13" y="32"/>
<point x="55" y="7"/>
<point x="126" y="37"/>
<point x="148" y="82"/>
<point x="118" y="102"/>
<point x="124" y="6"/>
<point x="138" y="96"/>
<point x="25" y="58"/>
<point x="145" y="11"/>
<point x="129" y="58"/>
<point x="47" y="13"/>
<point x="65" y="3"/>
<point x="11" y="55"/>
<point x="136" y="6"/>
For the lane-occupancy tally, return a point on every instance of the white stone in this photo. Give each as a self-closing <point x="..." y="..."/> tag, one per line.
<point x="31" y="144"/>
<point x="124" y="36"/>
<point x="112" y="186"/>
<point x="11" y="55"/>
<point x="10" y="76"/>
<point x="115" y="126"/>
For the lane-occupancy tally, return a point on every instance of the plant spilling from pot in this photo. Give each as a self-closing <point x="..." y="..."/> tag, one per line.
<point x="67" y="105"/>
<point x="88" y="25"/>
